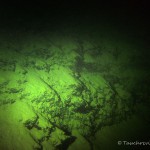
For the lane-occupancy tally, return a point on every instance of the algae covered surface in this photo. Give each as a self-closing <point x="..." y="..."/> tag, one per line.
<point x="81" y="86"/>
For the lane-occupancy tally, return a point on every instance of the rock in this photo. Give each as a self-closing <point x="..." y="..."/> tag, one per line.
<point x="47" y="145"/>
<point x="24" y="113"/>
<point x="80" y="143"/>
<point x="57" y="137"/>
<point x="37" y="135"/>
<point x="13" y="133"/>
<point x="43" y="123"/>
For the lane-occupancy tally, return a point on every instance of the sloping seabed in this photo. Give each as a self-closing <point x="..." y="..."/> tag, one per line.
<point x="72" y="89"/>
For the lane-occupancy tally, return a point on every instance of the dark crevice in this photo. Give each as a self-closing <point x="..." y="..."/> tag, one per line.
<point x="59" y="98"/>
<point x="66" y="143"/>
<point x="31" y="123"/>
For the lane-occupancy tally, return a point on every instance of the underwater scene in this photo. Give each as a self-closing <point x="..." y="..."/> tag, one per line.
<point x="74" y="78"/>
